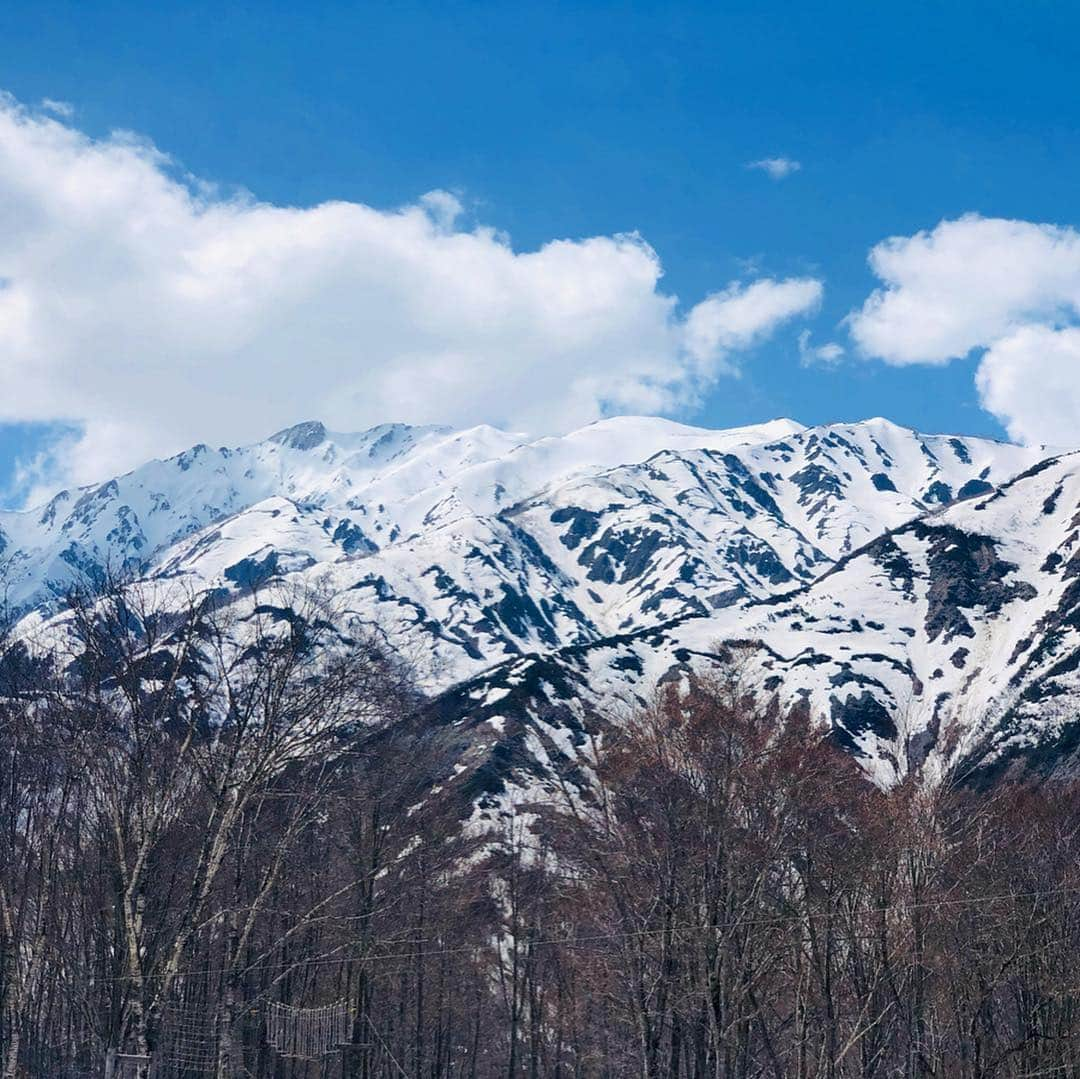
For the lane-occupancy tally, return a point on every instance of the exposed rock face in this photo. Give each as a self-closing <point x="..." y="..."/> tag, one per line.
<point x="965" y="574"/>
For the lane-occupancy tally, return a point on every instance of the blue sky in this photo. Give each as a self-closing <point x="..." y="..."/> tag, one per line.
<point x="556" y="121"/>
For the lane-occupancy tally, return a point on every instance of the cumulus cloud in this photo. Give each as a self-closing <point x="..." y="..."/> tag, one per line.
<point x="1031" y="380"/>
<point x="1009" y="288"/>
<point x="736" y="318"/>
<point x="828" y="354"/>
<point x="151" y="311"/>
<point x="776" y="168"/>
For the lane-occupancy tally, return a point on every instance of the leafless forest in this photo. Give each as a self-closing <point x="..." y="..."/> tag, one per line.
<point x="231" y="862"/>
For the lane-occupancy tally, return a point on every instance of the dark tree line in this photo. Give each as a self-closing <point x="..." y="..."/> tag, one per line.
<point x="202" y="819"/>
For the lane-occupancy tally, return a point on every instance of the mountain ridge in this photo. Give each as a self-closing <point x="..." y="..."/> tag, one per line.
<point x="612" y="560"/>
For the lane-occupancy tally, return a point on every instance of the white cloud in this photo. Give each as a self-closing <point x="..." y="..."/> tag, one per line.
<point x="1031" y="380"/>
<point x="63" y="109"/>
<point x="152" y="312"/>
<point x="1009" y="287"/>
<point x="734" y="319"/>
<point x="828" y="354"/>
<point x="443" y="208"/>
<point x="964" y="284"/>
<point x="776" y="168"/>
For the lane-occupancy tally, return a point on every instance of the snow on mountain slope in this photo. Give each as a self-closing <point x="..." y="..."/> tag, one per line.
<point x="468" y="547"/>
<point x="951" y="641"/>
<point x="949" y="646"/>
<point x="127" y="521"/>
<point x="382" y="484"/>
<point x="693" y="531"/>
<point x="849" y="481"/>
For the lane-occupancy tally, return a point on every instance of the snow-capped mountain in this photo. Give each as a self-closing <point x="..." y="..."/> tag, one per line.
<point x="470" y="546"/>
<point x="390" y="483"/>
<point x="946" y="647"/>
<point x="916" y="592"/>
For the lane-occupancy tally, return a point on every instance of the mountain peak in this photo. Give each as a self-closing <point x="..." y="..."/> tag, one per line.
<point x="301" y="436"/>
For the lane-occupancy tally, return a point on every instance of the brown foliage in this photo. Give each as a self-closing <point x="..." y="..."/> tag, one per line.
<point x="193" y="827"/>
